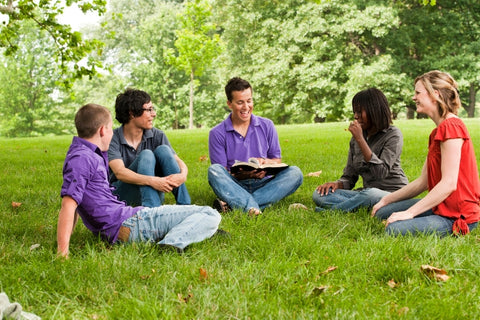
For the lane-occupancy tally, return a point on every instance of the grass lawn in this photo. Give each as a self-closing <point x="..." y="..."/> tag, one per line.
<point x="284" y="264"/>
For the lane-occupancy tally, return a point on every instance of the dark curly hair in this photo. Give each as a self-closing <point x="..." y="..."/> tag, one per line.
<point x="130" y="103"/>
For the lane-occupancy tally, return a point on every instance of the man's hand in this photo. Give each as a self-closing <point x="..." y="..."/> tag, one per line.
<point x="161" y="184"/>
<point x="252" y="174"/>
<point x="176" y="180"/>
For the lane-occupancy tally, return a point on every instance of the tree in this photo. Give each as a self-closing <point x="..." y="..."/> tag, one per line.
<point x="70" y="47"/>
<point x="300" y="56"/>
<point x="197" y="44"/>
<point x="444" y="35"/>
<point x="29" y="104"/>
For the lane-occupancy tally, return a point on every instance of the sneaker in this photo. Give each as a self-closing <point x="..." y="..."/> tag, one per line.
<point x="221" y="206"/>
<point x="222" y="233"/>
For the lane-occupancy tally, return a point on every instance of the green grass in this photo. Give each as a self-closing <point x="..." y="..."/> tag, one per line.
<point x="268" y="269"/>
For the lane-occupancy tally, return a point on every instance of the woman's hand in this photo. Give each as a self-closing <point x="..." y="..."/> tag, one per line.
<point x="380" y="204"/>
<point x="324" y="189"/>
<point x="399" y="216"/>
<point x="356" y="130"/>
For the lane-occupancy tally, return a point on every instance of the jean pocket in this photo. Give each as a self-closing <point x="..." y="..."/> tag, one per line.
<point x="132" y="221"/>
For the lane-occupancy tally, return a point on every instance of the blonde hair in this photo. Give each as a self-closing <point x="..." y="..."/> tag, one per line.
<point x="448" y="99"/>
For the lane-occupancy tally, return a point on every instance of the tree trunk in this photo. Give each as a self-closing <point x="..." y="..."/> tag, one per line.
<point x="190" y="125"/>
<point x="410" y="113"/>
<point x="175" y="109"/>
<point x="471" y="100"/>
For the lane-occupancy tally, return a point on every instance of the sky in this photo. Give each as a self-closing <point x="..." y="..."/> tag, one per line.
<point x="76" y="18"/>
<point x="71" y="15"/>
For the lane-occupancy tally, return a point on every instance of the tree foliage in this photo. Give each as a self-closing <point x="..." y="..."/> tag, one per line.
<point x="305" y="59"/>
<point x="197" y="44"/>
<point x="70" y="48"/>
<point x="29" y="101"/>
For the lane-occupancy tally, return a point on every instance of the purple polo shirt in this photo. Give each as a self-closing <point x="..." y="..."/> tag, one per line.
<point x="225" y="145"/>
<point x="85" y="179"/>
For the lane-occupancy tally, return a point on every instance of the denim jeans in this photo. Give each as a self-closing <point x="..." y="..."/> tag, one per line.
<point x="426" y="222"/>
<point x="174" y="225"/>
<point x="348" y="200"/>
<point x="160" y="162"/>
<point x="253" y="193"/>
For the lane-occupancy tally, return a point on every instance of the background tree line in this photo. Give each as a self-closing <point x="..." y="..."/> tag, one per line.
<point x="305" y="59"/>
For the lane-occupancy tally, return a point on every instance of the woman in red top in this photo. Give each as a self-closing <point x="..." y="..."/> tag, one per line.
<point x="450" y="172"/>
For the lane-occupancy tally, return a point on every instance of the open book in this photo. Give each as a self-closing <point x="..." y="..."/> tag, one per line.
<point x="252" y="164"/>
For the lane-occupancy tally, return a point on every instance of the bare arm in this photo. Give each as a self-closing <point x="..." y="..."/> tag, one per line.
<point x="411" y="190"/>
<point x="356" y="130"/>
<point x="450" y="166"/>
<point x="67" y="219"/>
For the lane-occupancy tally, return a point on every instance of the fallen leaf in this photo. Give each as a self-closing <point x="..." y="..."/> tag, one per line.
<point x="319" y="290"/>
<point x="434" y="273"/>
<point x="203" y="158"/>
<point x="203" y="274"/>
<point x="34" y="246"/>
<point x="297" y="206"/>
<point x="329" y="269"/>
<point x="184" y="299"/>
<point x="314" y="174"/>
<point x="392" y="284"/>
<point x="403" y="311"/>
<point x="16" y="204"/>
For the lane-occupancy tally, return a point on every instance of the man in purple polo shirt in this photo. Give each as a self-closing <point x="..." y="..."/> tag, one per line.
<point x="86" y="193"/>
<point x="241" y="136"/>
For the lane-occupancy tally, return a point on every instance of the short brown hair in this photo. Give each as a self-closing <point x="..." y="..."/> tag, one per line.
<point x="236" y="84"/>
<point x="90" y="118"/>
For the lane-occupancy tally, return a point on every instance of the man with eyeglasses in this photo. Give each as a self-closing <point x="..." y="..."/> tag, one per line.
<point x="142" y="162"/>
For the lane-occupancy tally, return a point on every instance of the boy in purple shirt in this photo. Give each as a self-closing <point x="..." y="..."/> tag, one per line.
<point x="86" y="192"/>
<point x="239" y="137"/>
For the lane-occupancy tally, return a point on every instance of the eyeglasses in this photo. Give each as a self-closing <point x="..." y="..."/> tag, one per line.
<point x="150" y="110"/>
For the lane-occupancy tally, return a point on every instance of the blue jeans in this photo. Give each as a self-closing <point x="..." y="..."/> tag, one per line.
<point x="348" y="200"/>
<point x="253" y="193"/>
<point x="174" y="225"/>
<point x="426" y="222"/>
<point x="160" y="162"/>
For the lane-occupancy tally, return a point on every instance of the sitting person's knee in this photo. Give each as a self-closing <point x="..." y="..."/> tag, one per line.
<point x="163" y="150"/>
<point x="147" y="155"/>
